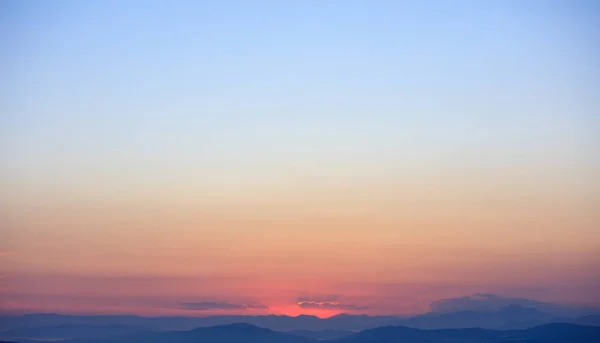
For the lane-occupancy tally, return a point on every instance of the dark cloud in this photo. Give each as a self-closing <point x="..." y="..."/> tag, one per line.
<point x="490" y="302"/>
<point x="208" y="305"/>
<point x="327" y="302"/>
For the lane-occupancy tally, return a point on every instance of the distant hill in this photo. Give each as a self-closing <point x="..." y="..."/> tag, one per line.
<point x="66" y="331"/>
<point x="246" y="333"/>
<point x="482" y="310"/>
<point x="233" y="333"/>
<point x="56" y="326"/>
<point x="549" y="333"/>
<point x="342" y="322"/>
<point x="509" y="317"/>
<point x="593" y="319"/>
<point x="321" y="335"/>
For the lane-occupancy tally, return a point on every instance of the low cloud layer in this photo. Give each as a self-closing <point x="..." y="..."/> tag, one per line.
<point x="327" y="302"/>
<point x="220" y="306"/>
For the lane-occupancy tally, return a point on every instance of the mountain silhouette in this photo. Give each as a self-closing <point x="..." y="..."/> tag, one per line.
<point x="246" y="333"/>
<point x="549" y="333"/>
<point x="593" y="319"/>
<point x="321" y="335"/>
<point x="485" y="302"/>
<point x="275" y="322"/>
<point x="72" y="331"/>
<point x="56" y="326"/>
<point x="509" y="317"/>
<point x="233" y="333"/>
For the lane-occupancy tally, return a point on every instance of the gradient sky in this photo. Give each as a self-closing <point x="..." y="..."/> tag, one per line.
<point x="288" y="157"/>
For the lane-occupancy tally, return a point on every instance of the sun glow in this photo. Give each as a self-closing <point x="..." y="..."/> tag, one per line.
<point x="295" y="310"/>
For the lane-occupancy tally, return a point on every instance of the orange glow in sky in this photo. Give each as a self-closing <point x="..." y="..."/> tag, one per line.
<point x="300" y="157"/>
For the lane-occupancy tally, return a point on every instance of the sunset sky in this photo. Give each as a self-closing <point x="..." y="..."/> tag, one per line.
<point x="297" y="157"/>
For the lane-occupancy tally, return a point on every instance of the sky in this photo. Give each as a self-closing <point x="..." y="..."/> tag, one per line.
<point x="297" y="157"/>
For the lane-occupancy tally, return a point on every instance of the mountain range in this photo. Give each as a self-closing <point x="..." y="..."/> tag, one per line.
<point x="480" y="311"/>
<point x="56" y="326"/>
<point x="549" y="333"/>
<point x="246" y="333"/>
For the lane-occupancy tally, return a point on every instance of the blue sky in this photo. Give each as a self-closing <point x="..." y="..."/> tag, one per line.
<point x="335" y="78"/>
